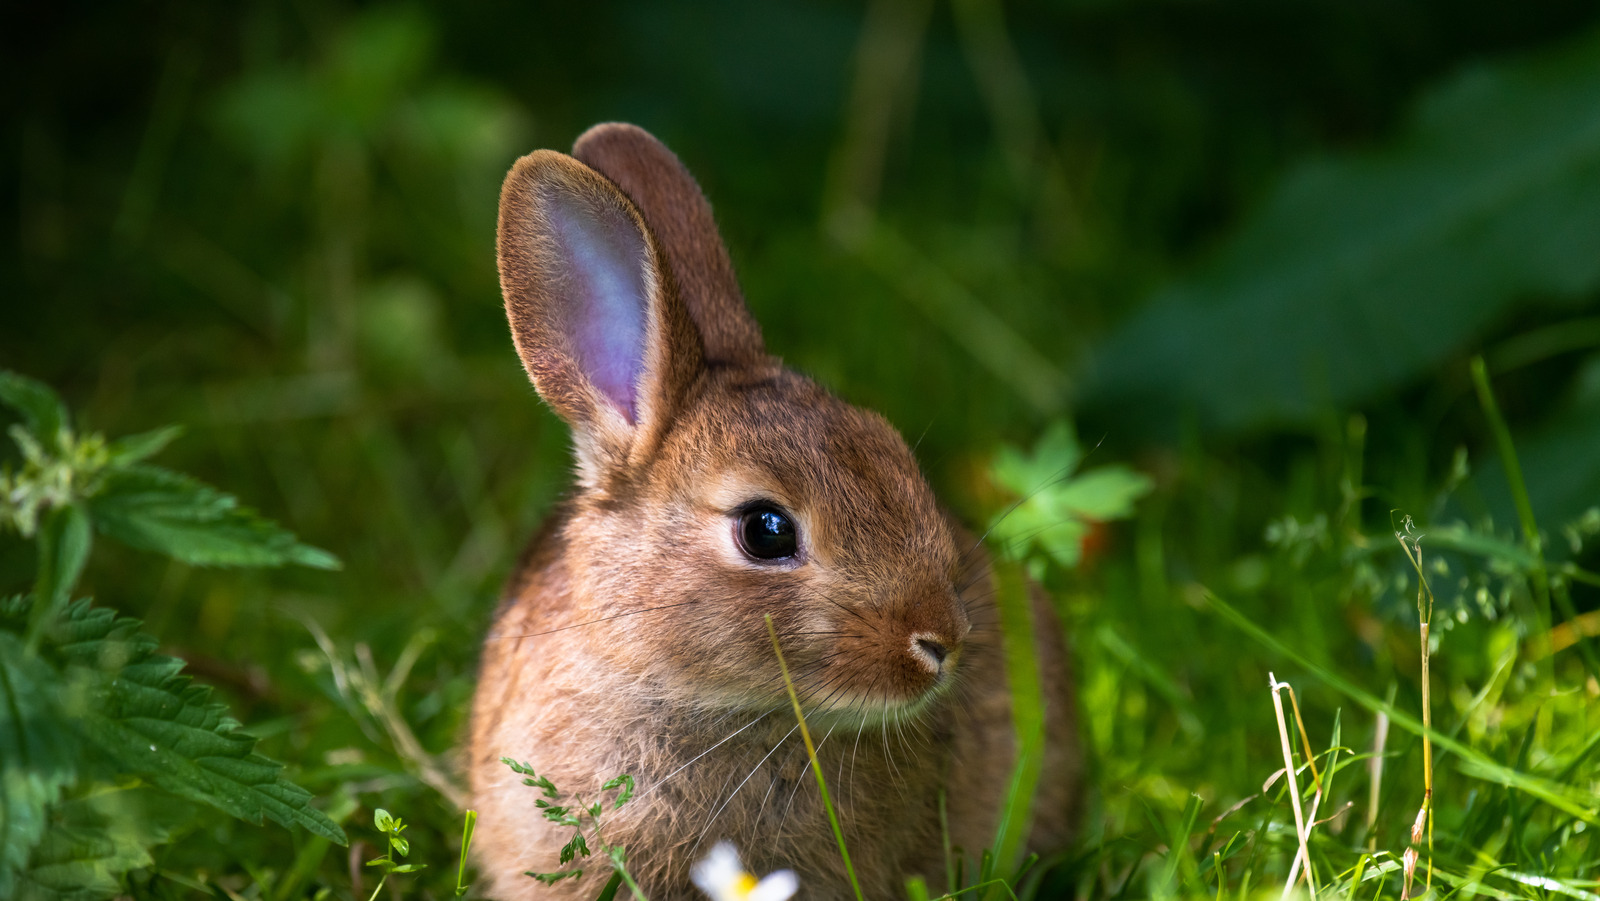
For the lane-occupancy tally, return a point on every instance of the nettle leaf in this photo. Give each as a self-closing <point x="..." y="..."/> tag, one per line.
<point x="1364" y="271"/>
<point x="81" y="862"/>
<point x="64" y="542"/>
<point x="160" y="510"/>
<point x="141" y="717"/>
<point x="92" y="841"/>
<point x="134" y="448"/>
<point x="38" y="752"/>
<point x="42" y="411"/>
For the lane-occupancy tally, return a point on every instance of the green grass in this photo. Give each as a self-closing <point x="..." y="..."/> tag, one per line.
<point x="1201" y="785"/>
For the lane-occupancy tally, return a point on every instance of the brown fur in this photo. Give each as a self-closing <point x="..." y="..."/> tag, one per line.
<point x="633" y="638"/>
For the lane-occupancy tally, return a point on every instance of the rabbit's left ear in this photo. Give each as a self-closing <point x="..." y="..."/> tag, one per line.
<point x="595" y="316"/>
<point x="680" y="218"/>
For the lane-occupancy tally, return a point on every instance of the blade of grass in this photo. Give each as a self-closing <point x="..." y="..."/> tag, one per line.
<point x="1300" y="830"/>
<point x="949" y="853"/>
<point x="469" y="822"/>
<point x="1027" y="713"/>
<point x="1305" y="740"/>
<point x="1323" y="788"/>
<point x="1474" y="761"/>
<point x="1380" y="737"/>
<point x="1178" y="856"/>
<point x="1514" y="480"/>
<point x="816" y="767"/>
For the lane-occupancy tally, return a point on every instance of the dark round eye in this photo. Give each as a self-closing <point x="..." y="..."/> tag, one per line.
<point x="767" y="533"/>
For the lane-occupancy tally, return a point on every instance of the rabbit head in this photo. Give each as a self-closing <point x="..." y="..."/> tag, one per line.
<point x="715" y="487"/>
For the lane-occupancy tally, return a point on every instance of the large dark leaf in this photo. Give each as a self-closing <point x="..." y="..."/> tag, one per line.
<point x="1364" y="271"/>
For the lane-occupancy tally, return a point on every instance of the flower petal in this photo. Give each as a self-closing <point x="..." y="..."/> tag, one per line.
<point x="779" y="885"/>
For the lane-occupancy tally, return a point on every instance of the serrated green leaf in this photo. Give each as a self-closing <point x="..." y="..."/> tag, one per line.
<point x="42" y="411"/>
<point x="80" y="863"/>
<point x="38" y="755"/>
<point x="134" y="448"/>
<point x="142" y="717"/>
<point x="96" y="838"/>
<point x="1364" y="271"/>
<point x="160" y="510"/>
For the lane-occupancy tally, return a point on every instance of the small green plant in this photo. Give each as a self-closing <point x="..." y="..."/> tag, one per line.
<point x="96" y="728"/>
<point x="1058" y="504"/>
<point x="399" y="845"/>
<point x="581" y="816"/>
<point x="468" y="823"/>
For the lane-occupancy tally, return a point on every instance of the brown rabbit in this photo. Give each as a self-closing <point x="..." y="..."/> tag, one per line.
<point x="715" y="487"/>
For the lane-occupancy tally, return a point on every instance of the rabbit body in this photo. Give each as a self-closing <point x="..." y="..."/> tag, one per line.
<point x="716" y="488"/>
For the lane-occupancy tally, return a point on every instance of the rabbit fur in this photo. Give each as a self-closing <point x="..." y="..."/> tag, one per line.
<point x="632" y="638"/>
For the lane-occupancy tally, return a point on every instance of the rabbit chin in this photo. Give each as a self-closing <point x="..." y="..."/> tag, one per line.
<point x="848" y="708"/>
<point x="880" y="710"/>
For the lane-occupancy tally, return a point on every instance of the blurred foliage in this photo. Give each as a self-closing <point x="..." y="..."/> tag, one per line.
<point x="1368" y="270"/>
<point x="1059" y="508"/>
<point x="1247" y="246"/>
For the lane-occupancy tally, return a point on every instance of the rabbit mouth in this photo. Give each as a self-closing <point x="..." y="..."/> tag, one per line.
<point x="878" y="709"/>
<point x="899" y="690"/>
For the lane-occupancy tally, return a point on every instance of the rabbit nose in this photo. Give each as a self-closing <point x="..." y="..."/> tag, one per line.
<point x="931" y="651"/>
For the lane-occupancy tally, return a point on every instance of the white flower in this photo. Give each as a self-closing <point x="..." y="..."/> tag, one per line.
<point x="724" y="878"/>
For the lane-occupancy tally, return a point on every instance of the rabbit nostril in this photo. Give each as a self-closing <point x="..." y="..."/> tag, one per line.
<point x="933" y="649"/>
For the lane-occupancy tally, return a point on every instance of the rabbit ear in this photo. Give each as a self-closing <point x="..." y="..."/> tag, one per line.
<point x="680" y="217"/>
<point x="596" y="320"/>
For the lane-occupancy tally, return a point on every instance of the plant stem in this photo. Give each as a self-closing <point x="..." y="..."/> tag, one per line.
<point x="816" y="767"/>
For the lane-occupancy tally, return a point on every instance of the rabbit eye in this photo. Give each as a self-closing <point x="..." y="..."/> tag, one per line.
<point x="767" y="533"/>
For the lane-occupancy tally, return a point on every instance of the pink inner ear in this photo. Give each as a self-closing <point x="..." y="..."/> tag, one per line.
<point x="600" y="266"/>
